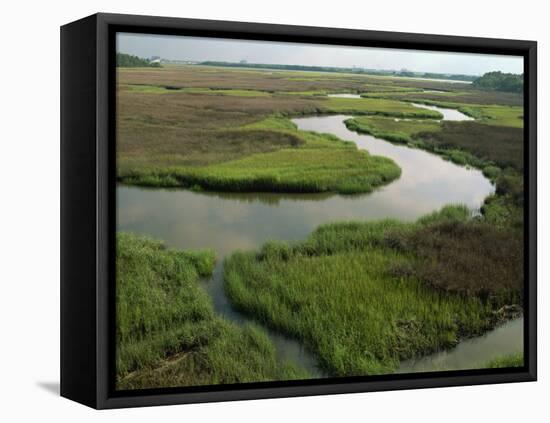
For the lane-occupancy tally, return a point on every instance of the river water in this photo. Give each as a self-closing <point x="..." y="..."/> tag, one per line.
<point x="471" y="353"/>
<point x="448" y="114"/>
<point x="344" y="95"/>
<point x="227" y="222"/>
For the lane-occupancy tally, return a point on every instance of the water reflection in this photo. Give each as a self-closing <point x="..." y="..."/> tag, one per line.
<point x="230" y="221"/>
<point x="448" y="114"/>
<point x="472" y="353"/>
<point x="344" y="95"/>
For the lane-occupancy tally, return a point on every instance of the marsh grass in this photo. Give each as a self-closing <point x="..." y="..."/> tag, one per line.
<point x="191" y="126"/>
<point x="361" y="296"/>
<point x="400" y="132"/>
<point x="315" y="163"/>
<point x="165" y="89"/>
<point x="380" y="107"/>
<point x="500" y="145"/>
<point x="166" y="331"/>
<point x="468" y="258"/>
<point x="511" y="360"/>
<point x="486" y="145"/>
<point x="497" y="115"/>
<point x="301" y="171"/>
<point x="352" y="293"/>
<point x="280" y="81"/>
<point x="463" y="95"/>
<point x="483" y="106"/>
<point x="467" y="143"/>
<point x="496" y="150"/>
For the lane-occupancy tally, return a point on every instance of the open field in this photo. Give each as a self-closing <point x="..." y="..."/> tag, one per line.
<point x="362" y="300"/>
<point x="167" y="332"/>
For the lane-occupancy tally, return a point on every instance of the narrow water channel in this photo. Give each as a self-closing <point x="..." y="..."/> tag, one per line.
<point x="227" y="222"/>
<point x="448" y="114"/>
<point x="344" y="95"/>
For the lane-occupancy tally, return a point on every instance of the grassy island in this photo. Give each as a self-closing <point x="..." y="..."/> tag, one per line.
<point x="299" y="161"/>
<point x="167" y="333"/>
<point x="363" y="296"/>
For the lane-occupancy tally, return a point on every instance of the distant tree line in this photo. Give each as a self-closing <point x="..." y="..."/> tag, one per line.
<point x="457" y="77"/>
<point x="498" y="81"/>
<point x="124" y="60"/>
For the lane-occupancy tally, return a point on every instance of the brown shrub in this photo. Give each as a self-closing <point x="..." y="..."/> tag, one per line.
<point x="467" y="258"/>
<point x="500" y="144"/>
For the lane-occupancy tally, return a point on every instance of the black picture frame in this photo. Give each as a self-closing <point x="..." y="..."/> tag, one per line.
<point x="88" y="214"/>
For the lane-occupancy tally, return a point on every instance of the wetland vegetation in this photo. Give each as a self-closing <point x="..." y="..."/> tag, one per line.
<point x="402" y="289"/>
<point x="360" y="295"/>
<point x="511" y="360"/>
<point x="283" y="160"/>
<point x="167" y="331"/>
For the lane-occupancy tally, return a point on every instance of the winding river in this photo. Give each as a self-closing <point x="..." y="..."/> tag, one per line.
<point x="227" y="222"/>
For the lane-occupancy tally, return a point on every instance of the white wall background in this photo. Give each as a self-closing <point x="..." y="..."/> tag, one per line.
<point x="29" y="239"/>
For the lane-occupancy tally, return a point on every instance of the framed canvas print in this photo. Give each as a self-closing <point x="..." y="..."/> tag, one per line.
<point x="254" y="211"/>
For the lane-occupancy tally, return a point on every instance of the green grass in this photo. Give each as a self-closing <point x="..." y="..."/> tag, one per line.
<point x="498" y="115"/>
<point x="460" y="95"/>
<point x="401" y="131"/>
<point x="276" y="123"/>
<point x="159" y="89"/>
<point x="303" y="93"/>
<point x="316" y="163"/>
<point x="371" y="106"/>
<point x="408" y="127"/>
<point x="166" y="331"/>
<point x="511" y="360"/>
<point x="506" y="207"/>
<point x="375" y="88"/>
<point x="354" y="297"/>
<point x="509" y="113"/>
<point x="307" y="171"/>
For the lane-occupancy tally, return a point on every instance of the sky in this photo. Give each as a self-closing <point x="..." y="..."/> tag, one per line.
<point x="175" y="47"/>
